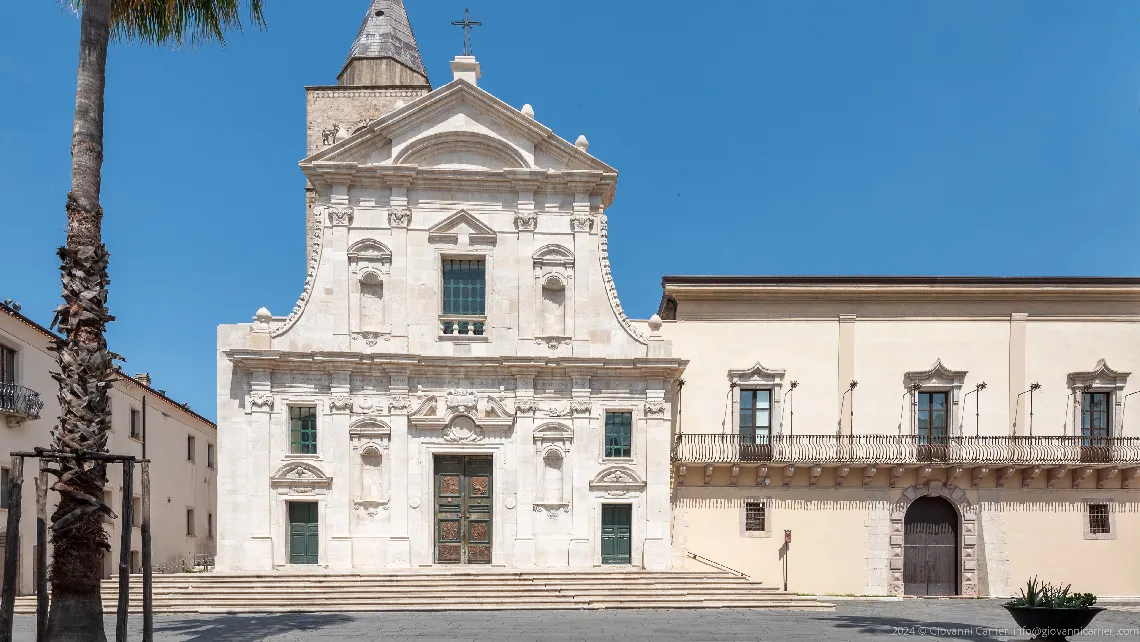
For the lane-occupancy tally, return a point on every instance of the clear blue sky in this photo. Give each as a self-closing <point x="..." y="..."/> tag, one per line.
<point x="752" y="137"/>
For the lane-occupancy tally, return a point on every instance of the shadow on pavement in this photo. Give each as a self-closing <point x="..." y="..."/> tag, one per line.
<point x="893" y="627"/>
<point x="247" y="628"/>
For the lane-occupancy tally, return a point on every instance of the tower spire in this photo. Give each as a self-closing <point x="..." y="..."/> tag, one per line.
<point x="385" y="53"/>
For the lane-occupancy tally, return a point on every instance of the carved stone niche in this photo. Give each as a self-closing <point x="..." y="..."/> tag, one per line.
<point x="300" y="478"/>
<point x="370" y="264"/>
<point x="554" y="295"/>
<point x="369" y="438"/>
<point x="553" y="471"/>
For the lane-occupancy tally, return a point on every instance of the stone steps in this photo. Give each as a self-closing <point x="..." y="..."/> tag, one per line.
<point x="442" y="590"/>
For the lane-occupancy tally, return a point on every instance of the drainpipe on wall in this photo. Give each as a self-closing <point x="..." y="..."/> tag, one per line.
<point x="143" y="429"/>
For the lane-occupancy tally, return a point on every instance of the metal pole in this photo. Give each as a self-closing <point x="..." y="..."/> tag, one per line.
<point x="11" y="548"/>
<point x="1031" y="390"/>
<point x="41" y="554"/>
<point x="125" y="554"/>
<point x="148" y="597"/>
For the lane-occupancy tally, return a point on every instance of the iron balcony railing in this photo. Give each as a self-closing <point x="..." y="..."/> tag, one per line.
<point x="19" y="401"/>
<point x="906" y="449"/>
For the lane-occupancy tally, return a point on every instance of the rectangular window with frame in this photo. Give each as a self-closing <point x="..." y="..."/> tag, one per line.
<point x="7" y="365"/>
<point x="464" y="293"/>
<point x="755" y="416"/>
<point x="1096" y="418"/>
<point x="619" y="434"/>
<point x="1099" y="522"/>
<point x="754" y="517"/>
<point x="209" y="455"/>
<point x="932" y="420"/>
<point x="303" y="430"/>
<point x="136" y="424"/>
<point x="190" y="448"/>
<point x="190" y="522"/>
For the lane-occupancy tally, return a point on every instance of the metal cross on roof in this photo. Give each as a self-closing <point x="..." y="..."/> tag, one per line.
<point x="467" y="24"/>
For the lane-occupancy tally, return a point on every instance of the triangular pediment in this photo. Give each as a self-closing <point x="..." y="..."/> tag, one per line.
<point x="462" y="224"/>
<point x="434" y="131"/>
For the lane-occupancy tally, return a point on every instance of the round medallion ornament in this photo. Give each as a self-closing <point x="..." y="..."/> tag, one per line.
<point x="414" y="502"/>
<point x="509" y="503"/>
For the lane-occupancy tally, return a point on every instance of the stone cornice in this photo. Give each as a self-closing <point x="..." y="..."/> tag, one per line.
<point x="979" y="291"/>
<point x="342" y="361"/>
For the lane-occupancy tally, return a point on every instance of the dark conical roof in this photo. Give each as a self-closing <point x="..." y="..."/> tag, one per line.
<point x="387" y="33"/>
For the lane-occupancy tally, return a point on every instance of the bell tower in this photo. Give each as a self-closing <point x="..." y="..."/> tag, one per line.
<point x="383" y="71"/>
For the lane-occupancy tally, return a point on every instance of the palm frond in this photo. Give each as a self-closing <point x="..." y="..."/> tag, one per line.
<point x="179" y="23"/>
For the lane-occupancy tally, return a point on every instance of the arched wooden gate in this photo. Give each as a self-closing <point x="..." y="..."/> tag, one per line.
<point x="930" y="548"/>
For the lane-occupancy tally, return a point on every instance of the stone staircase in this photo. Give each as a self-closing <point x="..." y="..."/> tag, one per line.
<point x="449" y="589"/>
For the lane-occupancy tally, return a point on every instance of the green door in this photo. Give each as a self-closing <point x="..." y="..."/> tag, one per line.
<point x="463" y="509"/>
<point x="303" y="535"/>
<point x="616" y="520"/>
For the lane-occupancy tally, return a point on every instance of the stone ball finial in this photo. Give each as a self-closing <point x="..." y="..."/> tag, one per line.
<point x="528" y="111"/>
<point x="263" y="315"/>
<point x="655" y="323"/>
<point x="582" y="143"/>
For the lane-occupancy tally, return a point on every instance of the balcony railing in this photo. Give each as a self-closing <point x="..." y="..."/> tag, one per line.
<point x="907" y="449"/>
<point x="19" y="403"/>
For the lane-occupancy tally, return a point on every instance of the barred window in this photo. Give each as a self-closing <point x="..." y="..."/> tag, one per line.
<point x="619" y="434"/>
<point x="464" y="285"/>
<point x="1098" y="519"/>
<point x="754" y="517"/>
<point x="303" y="430"/>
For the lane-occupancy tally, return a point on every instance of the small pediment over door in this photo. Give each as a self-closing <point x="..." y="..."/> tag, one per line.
<point x="459" y="227"/>
<point x="300" y="478"/>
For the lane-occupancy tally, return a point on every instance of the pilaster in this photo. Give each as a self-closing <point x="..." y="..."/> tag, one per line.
<point x="846" y="371"/>
<point x="1017" y="329"/>
<point x="400" y="472"/>
<point x="400" y="219"/>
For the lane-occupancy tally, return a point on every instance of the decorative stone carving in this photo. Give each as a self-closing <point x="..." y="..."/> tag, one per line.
<point x="552" y="510"/>
<point x="370" y="339"/>
<point x="259" y="402"/>
<point x="553" y="342"/>
<point x="617" y="478"/>
<point x="340" y="403"/>
<point x="414" y="502"/>
<point x="339" y="216"/>
<point x="509" y="503"/>
<point x="581" y="406"/>
<point x="655" y="408"/>
<point x="526" y="405"/>
<point x="526" y="222"/>
<point x="399" y="403"/>
<point x="370" y="507"/>
<point x="558" y="410"/>
<point x="300" y="478"/>
<point x="581" y="223"/>
<point x="399" y="216"/>
<point x="369" y="405"/>
<point x="462" y="430"/>
<point x="461" y="401"/>
<point x="316" y="246"/>
<point x="608" y="280"/>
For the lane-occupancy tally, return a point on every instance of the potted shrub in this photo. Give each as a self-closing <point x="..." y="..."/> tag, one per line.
<point x="1051" y="612"/>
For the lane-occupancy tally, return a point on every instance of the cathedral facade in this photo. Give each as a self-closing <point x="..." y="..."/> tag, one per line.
<point x="458" y="383"/>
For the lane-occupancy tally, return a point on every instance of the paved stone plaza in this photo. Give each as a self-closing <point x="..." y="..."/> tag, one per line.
<point x="977" y="621"/>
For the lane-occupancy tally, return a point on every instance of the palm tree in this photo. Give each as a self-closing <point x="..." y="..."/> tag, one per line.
<point x="78" y="538"/>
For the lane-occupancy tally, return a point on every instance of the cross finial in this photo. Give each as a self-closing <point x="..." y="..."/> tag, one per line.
<point x="467" y="24"/>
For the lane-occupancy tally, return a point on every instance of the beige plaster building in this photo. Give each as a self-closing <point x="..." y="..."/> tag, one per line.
<point x="145" y="423"/>
<point x="916" y="435"/>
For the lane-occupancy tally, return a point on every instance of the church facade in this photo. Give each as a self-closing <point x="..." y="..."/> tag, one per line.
<point x="458" y="383"/>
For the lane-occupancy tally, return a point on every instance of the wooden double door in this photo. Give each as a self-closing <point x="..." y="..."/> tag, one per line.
<point x="304" y="533"/>
<point x="463" y="504"/>
<point x="930" y="548"/>
<point x="617" y="520"/>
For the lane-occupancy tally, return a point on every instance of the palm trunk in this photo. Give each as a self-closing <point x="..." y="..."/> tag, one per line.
<point x="78" y="539"/>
